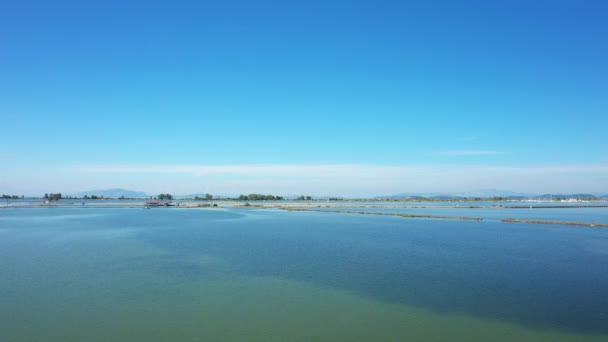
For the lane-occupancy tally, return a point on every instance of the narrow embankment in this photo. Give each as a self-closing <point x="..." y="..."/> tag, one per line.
<point x="469" y="218"/>
<point x="565" y="223"/>
<point x="387" y="214"/>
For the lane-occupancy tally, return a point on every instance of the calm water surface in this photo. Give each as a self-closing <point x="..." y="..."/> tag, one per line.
<point x="590" y="215"/>
<point x="98" y="274"/>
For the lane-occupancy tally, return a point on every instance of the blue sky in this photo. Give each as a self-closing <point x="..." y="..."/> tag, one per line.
<point x="353" y="98"/>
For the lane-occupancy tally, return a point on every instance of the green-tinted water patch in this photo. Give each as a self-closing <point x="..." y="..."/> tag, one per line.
<point x="485" y="269"/>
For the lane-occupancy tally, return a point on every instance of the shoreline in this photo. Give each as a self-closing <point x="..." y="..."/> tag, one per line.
<point x="564" y="223"/>
<point x="189" y="203"/>
<point x="390" y="214"/>
<point x="339" y="209"/>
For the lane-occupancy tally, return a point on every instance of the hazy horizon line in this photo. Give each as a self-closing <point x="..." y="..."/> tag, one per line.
<point x="316" y="179"/>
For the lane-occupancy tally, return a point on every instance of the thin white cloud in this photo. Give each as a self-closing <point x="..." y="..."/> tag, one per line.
<point x="470" y="152"/>
<point x="341" y="171"/>
<point x="316" y="179"/>
<point x="264" y="170"/>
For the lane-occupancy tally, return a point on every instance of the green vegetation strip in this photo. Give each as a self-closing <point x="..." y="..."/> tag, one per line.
<point x="388" y="214"/>
<point x="586" y="224"/>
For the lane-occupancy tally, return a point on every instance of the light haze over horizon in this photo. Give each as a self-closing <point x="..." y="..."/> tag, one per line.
<point x="322" y="98"/>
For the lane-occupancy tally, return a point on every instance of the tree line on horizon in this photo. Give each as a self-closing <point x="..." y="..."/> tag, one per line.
<point x="11" y="196"/>
<point x="52" y="197"/>
<point x="263" y="197"/>
<point x="260" y="197"/>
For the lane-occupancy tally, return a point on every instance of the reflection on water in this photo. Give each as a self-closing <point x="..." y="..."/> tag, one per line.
<point x="134" y="274"/>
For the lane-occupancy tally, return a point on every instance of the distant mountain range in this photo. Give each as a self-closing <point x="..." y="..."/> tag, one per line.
<point x="489" y="193"/>
<point x="113" y="193"/>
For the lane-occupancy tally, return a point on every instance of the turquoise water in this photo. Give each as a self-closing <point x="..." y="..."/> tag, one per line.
<point x="126" y="274"/>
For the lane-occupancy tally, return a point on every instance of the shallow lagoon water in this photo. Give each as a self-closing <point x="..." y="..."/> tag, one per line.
<point x="572" y="214"/>
<point x="73" y="274"/>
